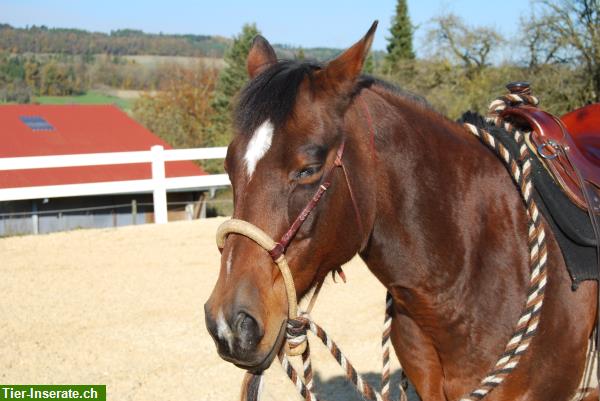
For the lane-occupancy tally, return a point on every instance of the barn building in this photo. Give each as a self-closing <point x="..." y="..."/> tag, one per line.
<point x="42" y="130"/>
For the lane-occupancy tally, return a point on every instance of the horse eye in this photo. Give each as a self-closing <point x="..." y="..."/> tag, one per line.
<point x="307" y="172"/>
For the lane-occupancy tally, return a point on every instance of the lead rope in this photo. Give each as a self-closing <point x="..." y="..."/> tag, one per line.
<point x="296" y="333"/>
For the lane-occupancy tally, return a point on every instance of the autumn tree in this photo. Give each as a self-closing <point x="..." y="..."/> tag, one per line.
<point x="181" y="111"/>
<point x="53" y="80"/>
<point x="400" y="47"/>
<point x="32" y="74"/>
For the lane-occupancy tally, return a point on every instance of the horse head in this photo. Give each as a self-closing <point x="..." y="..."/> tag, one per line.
<point x="291" y="129"/>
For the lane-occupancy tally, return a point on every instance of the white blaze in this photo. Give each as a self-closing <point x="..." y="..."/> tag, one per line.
<point x="223" y="330"/>
<point x="258" y="146"/>
<point x="228" y="264"/>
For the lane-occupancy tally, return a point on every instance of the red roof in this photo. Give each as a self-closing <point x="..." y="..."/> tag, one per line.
<point x="78" y="129"/>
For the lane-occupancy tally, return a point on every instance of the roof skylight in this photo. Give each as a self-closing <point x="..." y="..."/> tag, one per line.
<point x="36" y="123"/>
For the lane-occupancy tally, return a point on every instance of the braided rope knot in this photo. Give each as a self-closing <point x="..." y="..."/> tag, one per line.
<point x="295" y="334"/>
<point x="512" y="100"/>
<point x="500" y="104"/>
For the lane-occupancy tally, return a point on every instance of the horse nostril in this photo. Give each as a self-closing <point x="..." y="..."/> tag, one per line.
<point x="248" y="331"/>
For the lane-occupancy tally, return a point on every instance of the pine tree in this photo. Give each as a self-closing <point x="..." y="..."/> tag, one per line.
<point x="231" y="79"/>
<point x="234" y="76"/>
<point x="399" y="46"/>
<point x="369" y="66"/>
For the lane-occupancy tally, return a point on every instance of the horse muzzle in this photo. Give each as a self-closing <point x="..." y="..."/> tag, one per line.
<point x="238" y="340"/>
<point x="240" y="334"/>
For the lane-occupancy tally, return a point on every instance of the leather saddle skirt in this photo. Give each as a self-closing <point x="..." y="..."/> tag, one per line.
<point x="567" y="179"/>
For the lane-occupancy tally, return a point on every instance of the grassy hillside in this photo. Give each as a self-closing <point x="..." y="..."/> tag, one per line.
<point x="90" y="97"/>
<point x="152" y="61"/>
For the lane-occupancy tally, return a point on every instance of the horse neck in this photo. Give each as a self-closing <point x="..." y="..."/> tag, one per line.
<point x="436" y="193"/>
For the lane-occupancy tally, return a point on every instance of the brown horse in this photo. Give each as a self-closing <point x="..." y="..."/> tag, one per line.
<point x="441" y="225"/>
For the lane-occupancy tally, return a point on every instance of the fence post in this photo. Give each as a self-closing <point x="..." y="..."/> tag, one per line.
<point x="134" y="211"/>
<point x="189" y="211"/>
<point x="159" y="192"/>
<point x="35" y="222"/>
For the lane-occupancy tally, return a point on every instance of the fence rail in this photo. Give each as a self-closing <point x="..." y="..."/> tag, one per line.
<point x="106" y="207"/>
<point x="158" y="184"/>
<point x="110" y="158"/>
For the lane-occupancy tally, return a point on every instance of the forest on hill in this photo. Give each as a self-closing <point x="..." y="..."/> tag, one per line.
<point x="68" y="41"/>
<point x="41" y="39"/>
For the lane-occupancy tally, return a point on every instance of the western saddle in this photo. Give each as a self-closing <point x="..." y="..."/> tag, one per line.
<point x="568" y="147"/>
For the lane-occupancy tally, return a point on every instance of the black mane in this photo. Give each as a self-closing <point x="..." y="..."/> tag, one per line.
<point x="366" y="81"/>
<point x="272" y="94"/>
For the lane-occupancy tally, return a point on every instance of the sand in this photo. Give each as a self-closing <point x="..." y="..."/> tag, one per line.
<point x="124" y="307"/>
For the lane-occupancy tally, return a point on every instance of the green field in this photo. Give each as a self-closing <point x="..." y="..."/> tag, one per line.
<point x="90" y="97"/>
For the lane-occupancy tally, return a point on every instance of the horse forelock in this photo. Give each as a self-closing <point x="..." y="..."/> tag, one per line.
<point x="271" y="95"/>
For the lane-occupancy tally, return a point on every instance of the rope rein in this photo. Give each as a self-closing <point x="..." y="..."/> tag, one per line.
<point x="299" y="324"/>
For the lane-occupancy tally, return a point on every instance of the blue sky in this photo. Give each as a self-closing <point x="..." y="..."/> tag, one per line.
<point x="307" y="23"/>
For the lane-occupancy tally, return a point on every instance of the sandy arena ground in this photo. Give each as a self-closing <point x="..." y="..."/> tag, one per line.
<point x="123" y="307"/>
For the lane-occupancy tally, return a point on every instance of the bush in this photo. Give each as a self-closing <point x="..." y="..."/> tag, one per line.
<point x="17" y="92"/>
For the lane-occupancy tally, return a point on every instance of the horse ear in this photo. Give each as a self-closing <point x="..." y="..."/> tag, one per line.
<point x="260" y="57"/>
<point x="341" y="73"/>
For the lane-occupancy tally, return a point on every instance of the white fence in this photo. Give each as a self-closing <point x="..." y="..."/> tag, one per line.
<point x="158" y="184"/>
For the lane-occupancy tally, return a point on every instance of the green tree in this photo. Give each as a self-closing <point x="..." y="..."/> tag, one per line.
<point x="369" y="66"/>
<point x="400" y="47"/>
<point x="231" y="79"/>
<point x="11" y="68"/>
<point x="12" y="74"/>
